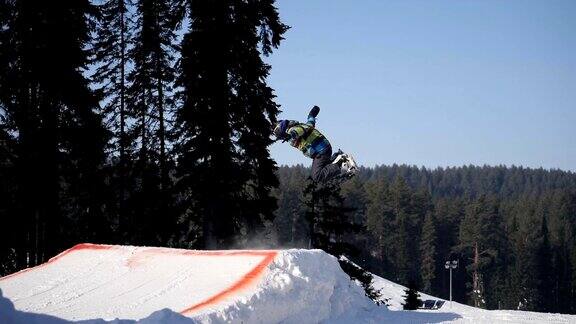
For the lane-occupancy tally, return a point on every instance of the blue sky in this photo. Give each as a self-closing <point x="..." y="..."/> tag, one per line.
<point x="432" y="83"/>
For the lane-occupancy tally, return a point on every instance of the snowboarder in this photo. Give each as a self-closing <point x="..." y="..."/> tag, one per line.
<point x="305" y="137"/>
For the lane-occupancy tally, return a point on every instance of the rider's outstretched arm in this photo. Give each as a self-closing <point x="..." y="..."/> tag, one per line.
<point x="312" y="115"/>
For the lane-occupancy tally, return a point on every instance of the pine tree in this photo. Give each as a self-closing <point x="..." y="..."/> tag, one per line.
<point x="562" y="209"/>
<point x="355" y="195"/>
<point x="402" y="245"/>
<point x="407" y="224"/>
<point x="207" y="168"/>
<point x="428" y="254"/>
<point x="114" y="35"/>
<point x="562" y="286"/>
<point x="365" y="278"/>
<point x="481" y="239"/>
<point x="331" y="228"/>
<point x="7" y="184"/>
<point x="329" y="220"/>
<point x="51" y="108"/>
<point x="111" y="56"/>
<point x="412" y="299"/>
<point x="525" y="272"/>
<point x="545" y="272"/>
<point x="289" y="220"/>
<point x="150" y="99"/>
<point x="379" y="222"/>
<point x="257" y="31"/>
<point x="224" y="167"/>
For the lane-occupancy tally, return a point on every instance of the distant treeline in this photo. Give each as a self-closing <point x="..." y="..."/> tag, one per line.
<point x="512" y="229"/>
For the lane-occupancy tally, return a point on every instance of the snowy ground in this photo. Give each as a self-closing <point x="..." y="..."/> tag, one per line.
<point x="393" y="292"/>
<point x="92" y="284"/>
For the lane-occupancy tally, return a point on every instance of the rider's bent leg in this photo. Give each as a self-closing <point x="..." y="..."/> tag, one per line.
<point x="322" y="167"/>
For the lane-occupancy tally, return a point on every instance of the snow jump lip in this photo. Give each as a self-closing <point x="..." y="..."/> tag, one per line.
<point x="143" y="254"/>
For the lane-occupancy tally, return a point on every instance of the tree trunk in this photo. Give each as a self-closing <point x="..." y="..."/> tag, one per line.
<point x="475" y="277"/>
<point x="160" y="93"/>
<point x="122" y="140"/>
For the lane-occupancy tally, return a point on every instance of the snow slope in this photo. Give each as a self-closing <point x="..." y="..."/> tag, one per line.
<point x="393" y="293"/>
<point x="92" y="284"/>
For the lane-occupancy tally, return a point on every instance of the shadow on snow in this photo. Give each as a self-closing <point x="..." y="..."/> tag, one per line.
<point x="9" y="315"/>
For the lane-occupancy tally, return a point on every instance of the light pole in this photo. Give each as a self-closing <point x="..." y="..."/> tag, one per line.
<point x="451" y="265"/>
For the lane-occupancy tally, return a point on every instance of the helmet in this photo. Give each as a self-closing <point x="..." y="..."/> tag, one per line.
<point x="280" y="129"/>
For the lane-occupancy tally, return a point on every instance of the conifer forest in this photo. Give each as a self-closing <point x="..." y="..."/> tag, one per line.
<point x="149" y="122"/>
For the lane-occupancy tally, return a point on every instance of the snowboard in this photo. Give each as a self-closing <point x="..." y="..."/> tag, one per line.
<point x="338" y="180"/>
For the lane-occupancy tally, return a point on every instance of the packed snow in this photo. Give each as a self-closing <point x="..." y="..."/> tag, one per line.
<point x="92" y="284"/>
<point x="393" y="293"/>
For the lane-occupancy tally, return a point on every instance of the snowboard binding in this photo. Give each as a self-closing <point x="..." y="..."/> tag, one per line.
<point x="347" y="165"/>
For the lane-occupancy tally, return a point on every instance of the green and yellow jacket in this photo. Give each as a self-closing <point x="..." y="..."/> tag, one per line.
<point x="307" y="138"/>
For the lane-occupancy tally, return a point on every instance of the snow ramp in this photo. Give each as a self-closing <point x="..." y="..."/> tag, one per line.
<point x="125" y="284"/>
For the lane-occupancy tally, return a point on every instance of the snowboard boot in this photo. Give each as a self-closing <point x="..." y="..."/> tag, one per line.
<point x="338" y="157"/>
<point x="346" y="163"/>
<point x="349" y="168"/>
<point x="352" y="163"/>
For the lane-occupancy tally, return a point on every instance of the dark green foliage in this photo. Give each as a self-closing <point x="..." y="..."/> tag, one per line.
<point x="364" y="277"/>
<point x="412" y="298"/>
<point x="186" y="163"/>
<point x="8" y="260"/>
<point x="428" y="246"/>
<point x="150" y="100"/>
<point x="379" y="222"/>
<point x="114" y="36"/>
<point x="331" y="227"/>
<point x="544" y="263"/>
<point x="482" y="240"/>
<point x="394" y="216"/>
<point x="7" y="181"/>
<point x="329" y="220"/>
<point x="68" y="179"/>
<point x="225" y="173"/>
<point x="415" y="220"/>
<point x="289" y="223"/>
<point x="49" y="109"/>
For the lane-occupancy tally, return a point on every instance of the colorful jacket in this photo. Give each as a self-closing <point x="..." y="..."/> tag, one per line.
<point x="307" y="138"/>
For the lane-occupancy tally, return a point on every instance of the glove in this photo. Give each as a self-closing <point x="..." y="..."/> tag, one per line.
<point x="314" y="111"/>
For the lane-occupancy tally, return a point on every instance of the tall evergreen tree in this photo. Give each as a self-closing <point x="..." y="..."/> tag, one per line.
<point x="332" y="229"/>
<point x="150" y="98"/>
<point x="50" y="107"/>
<point x="224" y="167"/>
<point x="257" y="32"/>
<point x="562" y="286"/>
<point x="114" y="36"/>
<point x="379" y="222"/>
<point x="289" y="221"/>
<point x="481" y="240"/>
<point x="207" y="167"/>
<point x="408" y="218"/>
<point x="330" y="221"/>
<point x="525" y="271"/>
<point x="428" y="243"/>
<point x="412" y="299"/>
<point x="7" y="184"/>
<point x="545" y="272"/>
